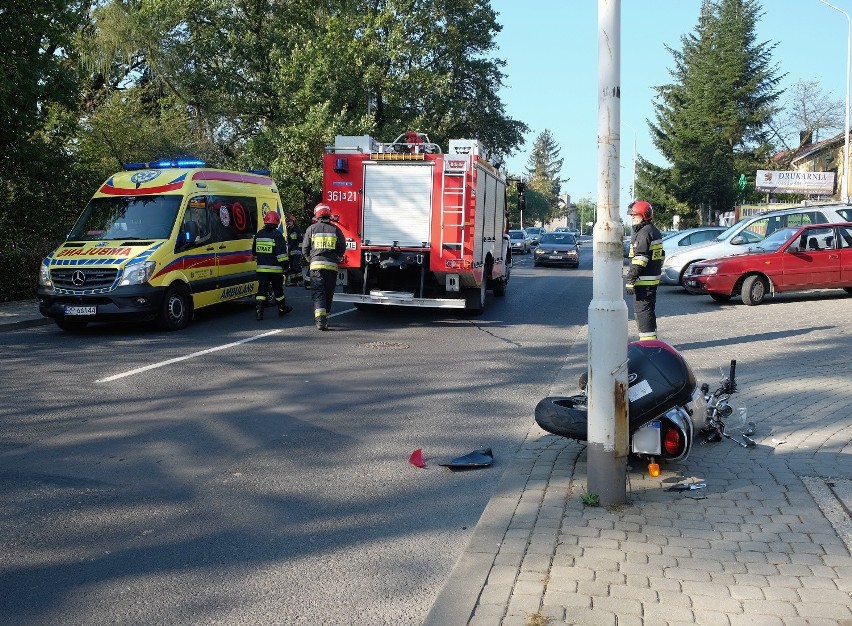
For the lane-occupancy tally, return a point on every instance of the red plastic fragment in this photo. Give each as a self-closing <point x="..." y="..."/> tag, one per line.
<point x="416" y="458"/>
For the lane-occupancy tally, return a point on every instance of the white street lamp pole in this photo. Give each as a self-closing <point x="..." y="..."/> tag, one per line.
<point x="633" y="180"/>
<point x="844" y="184"/>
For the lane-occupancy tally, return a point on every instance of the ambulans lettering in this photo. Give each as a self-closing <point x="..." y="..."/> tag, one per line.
<point x="95" y="252"/>
<point x="237" y="291"/>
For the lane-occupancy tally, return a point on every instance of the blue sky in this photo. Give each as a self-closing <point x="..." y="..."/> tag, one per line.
<point x="550" y="49"/>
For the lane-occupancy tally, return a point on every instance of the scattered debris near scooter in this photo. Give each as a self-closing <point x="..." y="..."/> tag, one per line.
<point x="687" y="487"/>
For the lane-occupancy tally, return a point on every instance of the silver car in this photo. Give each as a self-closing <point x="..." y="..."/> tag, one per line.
<point x="678" y="239"/>
<point x="748" y="231"/>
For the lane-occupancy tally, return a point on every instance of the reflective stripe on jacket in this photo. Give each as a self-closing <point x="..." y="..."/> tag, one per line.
<point x="270" y="249"/>
<point x="646" y="256"/>
<point x="323" y="245"/>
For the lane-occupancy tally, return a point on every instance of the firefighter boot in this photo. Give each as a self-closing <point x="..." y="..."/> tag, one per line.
<point x="258" y="310"/>
<point x="283" y="309"/>
<point x="322" y="322"/>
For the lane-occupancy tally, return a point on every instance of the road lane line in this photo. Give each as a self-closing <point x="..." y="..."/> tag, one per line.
<point x="145" y="368"/>
<point x="139" y="370"/>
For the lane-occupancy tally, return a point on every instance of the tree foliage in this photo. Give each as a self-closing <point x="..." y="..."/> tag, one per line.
<point x="713" y="119"/>
<point x="241" y="83"/>
<point x="544" y="167"/>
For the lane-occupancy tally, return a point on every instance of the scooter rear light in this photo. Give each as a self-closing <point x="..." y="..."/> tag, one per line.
<point x="673" y="442"/>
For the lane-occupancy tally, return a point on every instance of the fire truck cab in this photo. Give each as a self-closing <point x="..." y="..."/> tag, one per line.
<point x="423" y="228"/>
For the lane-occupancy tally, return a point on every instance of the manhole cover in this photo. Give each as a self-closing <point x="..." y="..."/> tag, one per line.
<point x="385" y="345"/>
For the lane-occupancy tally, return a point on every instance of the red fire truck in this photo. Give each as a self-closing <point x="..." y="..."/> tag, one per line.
<point x="423" y="228"/>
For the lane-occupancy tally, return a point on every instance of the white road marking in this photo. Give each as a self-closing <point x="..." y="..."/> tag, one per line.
<point x="153" y="366"/>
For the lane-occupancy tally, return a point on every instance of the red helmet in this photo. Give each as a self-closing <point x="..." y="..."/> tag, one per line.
<point x="642" y="209"/>
<point x="292" y="219"/>
<point x="322" y="211"/>
<point x="272" y="218"/>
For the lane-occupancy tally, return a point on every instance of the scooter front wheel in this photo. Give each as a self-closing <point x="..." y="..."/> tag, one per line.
<point x="566" y="416"/>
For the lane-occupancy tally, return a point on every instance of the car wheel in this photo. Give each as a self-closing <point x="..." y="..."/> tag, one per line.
<point x="176" y="310"/>
<point x="754" y="290"/>
<point x="720" y="297"/>
<point x="71" y="325"/>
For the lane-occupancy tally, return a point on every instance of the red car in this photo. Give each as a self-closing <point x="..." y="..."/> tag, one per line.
<point x="795" y="258"/>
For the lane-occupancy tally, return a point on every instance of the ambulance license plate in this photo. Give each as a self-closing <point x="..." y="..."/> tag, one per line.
<point x="81" y="310"/>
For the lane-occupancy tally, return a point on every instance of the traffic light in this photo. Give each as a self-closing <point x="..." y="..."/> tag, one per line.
<point x="522" y="196"/>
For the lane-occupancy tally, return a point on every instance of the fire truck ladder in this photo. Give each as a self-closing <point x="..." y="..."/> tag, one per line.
<point x="453" y="205"/>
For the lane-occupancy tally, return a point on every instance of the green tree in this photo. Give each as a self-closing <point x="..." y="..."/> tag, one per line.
<point x="544" y="166"/>
<point x="712" y="121"/>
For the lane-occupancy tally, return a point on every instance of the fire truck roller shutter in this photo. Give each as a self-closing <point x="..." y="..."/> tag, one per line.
<point x="397" y="203"/>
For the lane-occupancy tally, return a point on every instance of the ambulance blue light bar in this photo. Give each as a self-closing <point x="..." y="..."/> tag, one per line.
<point x="165" y="164"/>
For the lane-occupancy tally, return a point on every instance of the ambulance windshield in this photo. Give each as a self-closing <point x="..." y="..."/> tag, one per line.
<point x="127" y="217"/>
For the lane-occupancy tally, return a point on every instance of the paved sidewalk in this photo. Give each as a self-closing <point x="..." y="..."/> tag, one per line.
<point x="21" y="314"/>
<point x="767" y="541"/>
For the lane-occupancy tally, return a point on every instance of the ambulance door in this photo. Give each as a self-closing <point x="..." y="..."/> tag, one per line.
<point x="196" y="250"/>
<point x="234" y="227"/>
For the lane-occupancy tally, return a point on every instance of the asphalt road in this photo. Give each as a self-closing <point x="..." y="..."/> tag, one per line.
<point x="257" y="473"/>
<point x="245" y="472"/>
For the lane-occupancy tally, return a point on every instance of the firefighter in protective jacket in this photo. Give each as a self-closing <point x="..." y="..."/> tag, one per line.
<point x="269" y="248"/>
<point x="322" y="248"/>
<point x="294" y="249"/>
<point x="646" y="264"/>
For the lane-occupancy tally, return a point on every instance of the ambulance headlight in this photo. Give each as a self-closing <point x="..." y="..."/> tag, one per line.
<point x="137" y="274"/>
<point x="44" y="277"/>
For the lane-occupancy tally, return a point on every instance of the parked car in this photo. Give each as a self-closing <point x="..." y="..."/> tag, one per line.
<point x="535" y="233"/>
<point x="794" y="258"/>
<point x="747" y="232"/>
<point x="689" y="236"/>
<point x="557" y="249"/>
<point x="519" y="241"/>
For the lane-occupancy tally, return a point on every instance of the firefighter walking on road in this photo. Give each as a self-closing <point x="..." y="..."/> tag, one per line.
<point x="322" y="249"/>
<point x="646" y="264"/>
<point x="294" y="249"/>
<point x="269" y="248"/>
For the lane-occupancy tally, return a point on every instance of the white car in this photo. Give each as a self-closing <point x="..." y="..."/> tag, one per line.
<point x="748" y="231"/>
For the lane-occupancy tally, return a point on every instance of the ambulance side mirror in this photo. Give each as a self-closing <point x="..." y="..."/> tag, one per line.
<point x="188" y="234"/>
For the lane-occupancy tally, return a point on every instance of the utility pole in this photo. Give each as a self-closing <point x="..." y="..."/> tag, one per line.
<point x="608" y="429"/>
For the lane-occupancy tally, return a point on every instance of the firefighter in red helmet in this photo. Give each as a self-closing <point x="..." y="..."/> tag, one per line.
<point x="269" y="249"/>
<point x="646" y="264"/>
<point x="323" y="247"/>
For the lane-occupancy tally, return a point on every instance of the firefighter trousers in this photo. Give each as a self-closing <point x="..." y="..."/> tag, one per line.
<point x="322" y="286"/>
<point x="264" y="280"/>
<point x="644" y="310"/>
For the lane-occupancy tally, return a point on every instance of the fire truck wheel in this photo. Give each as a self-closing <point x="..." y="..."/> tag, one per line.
<point x="501" y="283"/>
<point x="176" y="310"/>
<point x="71" y="325"/>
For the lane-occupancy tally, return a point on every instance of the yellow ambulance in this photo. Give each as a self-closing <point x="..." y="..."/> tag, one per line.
<point x="157" y="242"/>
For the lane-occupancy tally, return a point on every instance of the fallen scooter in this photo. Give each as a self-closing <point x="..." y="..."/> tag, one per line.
<point x="665" y="410"/>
